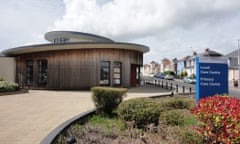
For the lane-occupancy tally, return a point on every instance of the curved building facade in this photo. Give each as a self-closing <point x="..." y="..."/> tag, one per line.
<point x="75" y="60"/>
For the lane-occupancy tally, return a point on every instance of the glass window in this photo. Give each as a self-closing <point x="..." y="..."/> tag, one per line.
<point x="117" y="73"/>
<point x="105" y="73"/>
<point x="55" y="41"/>
<point x="60" y="40"/>
<point x="42" y="72"/>
<point x="29" y="72"/>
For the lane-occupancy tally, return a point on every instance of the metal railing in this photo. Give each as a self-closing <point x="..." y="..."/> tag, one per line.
<point x="177" y="87"/>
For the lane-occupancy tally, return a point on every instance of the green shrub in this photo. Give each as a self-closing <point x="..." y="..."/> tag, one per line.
<point x="1" y="78"/>
<point x="107" y="122"/>
<point x="6" y="86"/>
<point x="190" y="120"/>
<point x="180" y="103"/>
<point x="190" y="136"/>
<point x="172" y="117"/>
<point x="140" y="110"/>
<point x="106" y="99"/>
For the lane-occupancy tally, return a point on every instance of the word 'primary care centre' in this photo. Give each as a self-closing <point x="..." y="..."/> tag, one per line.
<point x="74" y="60"/>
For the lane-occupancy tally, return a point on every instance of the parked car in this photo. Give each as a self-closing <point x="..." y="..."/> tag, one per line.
<point x="189" y="80"/>
<point x="169" y="77"/>
<point x="160" y="75"/>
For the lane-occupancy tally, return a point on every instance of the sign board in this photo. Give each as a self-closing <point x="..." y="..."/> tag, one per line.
<point x="211" y="77"/>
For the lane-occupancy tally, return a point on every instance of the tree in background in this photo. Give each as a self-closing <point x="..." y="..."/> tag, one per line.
<point x="184" y="74"/>
<point x="169" y="73"/>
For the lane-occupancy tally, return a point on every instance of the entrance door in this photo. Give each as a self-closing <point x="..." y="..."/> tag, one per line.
<point x="133" y="75"/>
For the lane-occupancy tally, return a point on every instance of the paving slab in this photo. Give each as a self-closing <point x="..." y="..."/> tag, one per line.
<point x="27" y="118"/>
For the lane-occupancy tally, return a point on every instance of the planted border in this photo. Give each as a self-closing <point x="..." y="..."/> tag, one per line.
<point x="220" y="119"/>
<point x="52" y="136"/>
<point x="6" y="86"/>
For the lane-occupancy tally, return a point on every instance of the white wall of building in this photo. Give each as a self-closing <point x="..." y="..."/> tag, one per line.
<point x="8" y="68"/>
<point x="233" y="74"/>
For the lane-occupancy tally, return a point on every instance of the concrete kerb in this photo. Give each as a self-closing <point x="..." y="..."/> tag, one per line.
<point x="21" y="91"/>
<point x="54" y="133"/>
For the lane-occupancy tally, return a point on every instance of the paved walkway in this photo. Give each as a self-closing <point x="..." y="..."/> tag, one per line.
<point x="28" y="118"/>
<point x="234" y="92"/>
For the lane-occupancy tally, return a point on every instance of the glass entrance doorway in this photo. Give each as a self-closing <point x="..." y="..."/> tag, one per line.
<point x="135" y="75"/>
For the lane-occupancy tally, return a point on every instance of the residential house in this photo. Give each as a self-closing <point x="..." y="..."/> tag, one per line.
<point x="233" y="65"/>
<point x="152" y="68"/>
<point x="155" y="67"/>
<point x="146" y="69"/>
<point x="174" y="65"/>
<point x="165" y="65"/>
<point x="188" y="63"/>
<point x="181" y="65"/>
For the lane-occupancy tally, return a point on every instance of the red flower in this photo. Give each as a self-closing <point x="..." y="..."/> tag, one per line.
<point x="220" y="117"/>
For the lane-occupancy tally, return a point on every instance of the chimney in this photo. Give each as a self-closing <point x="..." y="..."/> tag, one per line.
<point x="194" y="53"/>
<point x="207" y="52"/>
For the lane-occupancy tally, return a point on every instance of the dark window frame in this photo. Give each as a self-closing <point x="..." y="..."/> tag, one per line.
<point x="60" y="40"/>
<point x="42" y="72"/>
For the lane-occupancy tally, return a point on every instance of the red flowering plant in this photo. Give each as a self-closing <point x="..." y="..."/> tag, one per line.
<point x="219" y="119"/>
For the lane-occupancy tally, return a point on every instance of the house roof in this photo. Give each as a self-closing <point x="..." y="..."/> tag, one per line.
<point x="72" y="46"/>
<point x="211" y="53"/>
<point x="233" y="59"/>
<point x="73" y="36"/>
<point x="74" y="40"/>
<point x="232" y="54"/>
<point x="183" y="59"/>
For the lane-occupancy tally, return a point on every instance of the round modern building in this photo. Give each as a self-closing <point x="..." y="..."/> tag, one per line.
<point x="75" y="60"/>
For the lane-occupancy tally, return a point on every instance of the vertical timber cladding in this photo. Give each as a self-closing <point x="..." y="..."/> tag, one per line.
<point x="77" y="69"/>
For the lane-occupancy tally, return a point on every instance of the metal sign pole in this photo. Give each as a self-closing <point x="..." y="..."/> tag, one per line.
<point x="238" y="64"/>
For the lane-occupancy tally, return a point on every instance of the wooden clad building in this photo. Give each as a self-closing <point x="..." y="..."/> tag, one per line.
<point x="77" y="60"/>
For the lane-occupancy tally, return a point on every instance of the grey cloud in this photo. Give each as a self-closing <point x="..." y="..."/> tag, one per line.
<point x="168" y="27"/>
<point x="22" y="21"/>
<point x="163" y="25"/>
<point x="128" y="20"/>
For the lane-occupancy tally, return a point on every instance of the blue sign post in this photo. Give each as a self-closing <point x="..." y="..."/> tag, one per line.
<point x="211" y="76"/>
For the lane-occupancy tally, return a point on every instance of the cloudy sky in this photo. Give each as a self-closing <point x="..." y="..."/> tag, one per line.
<point x="171" y="28"/>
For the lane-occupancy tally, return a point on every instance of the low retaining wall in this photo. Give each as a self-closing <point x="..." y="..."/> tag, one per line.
<point x="49" y="139"/>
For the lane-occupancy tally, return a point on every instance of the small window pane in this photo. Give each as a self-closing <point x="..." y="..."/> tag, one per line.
<point x="117" y="73"/>
<point x="29" y="72"/>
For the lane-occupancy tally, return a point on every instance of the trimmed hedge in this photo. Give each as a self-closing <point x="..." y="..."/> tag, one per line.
<point x="172" y="117"/>
<point x="189" y="136"/>
<point x="6" y="86"/>
<point x="180" y="103"/>
<point x="140" y="110"/>
<point x="106" y="99"/>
